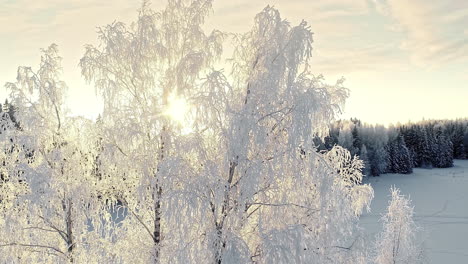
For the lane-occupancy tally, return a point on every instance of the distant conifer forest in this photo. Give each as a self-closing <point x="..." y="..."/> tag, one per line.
<point x="402" y="147"/>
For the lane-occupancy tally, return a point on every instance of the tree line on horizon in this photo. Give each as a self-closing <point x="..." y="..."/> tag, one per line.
<point x="394" y="149"/>
<point x="402" y="147"/>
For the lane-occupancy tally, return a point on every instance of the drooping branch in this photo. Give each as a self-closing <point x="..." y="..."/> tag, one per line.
<point x="33" y="246"/>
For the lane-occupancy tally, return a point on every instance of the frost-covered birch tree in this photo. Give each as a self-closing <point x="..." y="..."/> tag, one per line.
<point x="397" y="242"/>
<point x="269" y="196"/>
<point x="141" y="71"/>
<point x="49" y="178"/>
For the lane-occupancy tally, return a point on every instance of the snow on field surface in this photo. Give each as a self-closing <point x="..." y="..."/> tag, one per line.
<point x="440" y="200"/>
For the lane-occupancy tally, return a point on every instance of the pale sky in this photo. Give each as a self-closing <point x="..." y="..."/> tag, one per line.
<point x="402" y="60"/>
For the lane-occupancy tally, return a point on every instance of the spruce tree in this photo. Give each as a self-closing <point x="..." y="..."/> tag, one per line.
<point x="378" y="160"/>
<point x="465" y="139"/>
<point x="411" y="139"/>
<point x="399" y="156"/>
<point x="423" y="149"/>
<point x="364" y="156"/>
<point x="442" y="149"/>
<point x="357" y="143"/>
<point x="346" y="139"/>
<point x="459" y="151"/>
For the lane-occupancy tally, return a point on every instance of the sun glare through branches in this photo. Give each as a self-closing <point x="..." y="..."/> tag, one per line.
<point x="177" y="109"/>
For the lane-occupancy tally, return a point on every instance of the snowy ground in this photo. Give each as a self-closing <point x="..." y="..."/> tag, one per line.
<point x="440" y="200"/>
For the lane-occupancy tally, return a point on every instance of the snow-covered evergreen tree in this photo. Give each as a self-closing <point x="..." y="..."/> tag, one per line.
<point x="347" y="137"/>
<point x="459" y="148"/>
<point x="357" y="142"/>
<point x="424" y="147"/>
<point x="399" y="156"/>
<point x="409" y="135"/>
<point x="442" y="148"/>
<point x="465" y="140"/>
<point x="375" y="138"/>
<point x="364" y="156"/>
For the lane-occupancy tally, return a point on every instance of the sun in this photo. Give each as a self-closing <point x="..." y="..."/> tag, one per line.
<point x="177" y="108"/>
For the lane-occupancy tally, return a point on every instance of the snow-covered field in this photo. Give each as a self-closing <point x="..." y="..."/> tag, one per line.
<point x="440" y="200"/>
